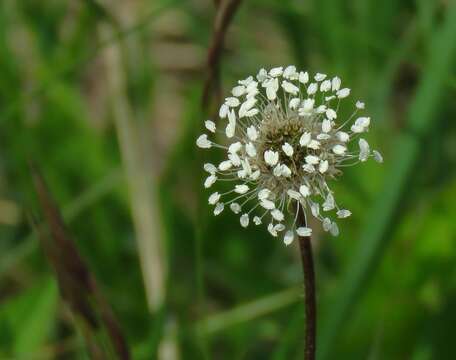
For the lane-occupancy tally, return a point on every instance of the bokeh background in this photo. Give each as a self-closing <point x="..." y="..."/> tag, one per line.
<point x="105" y="97"/>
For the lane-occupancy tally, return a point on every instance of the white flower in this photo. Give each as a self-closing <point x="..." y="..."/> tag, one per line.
<point x="241" y="189"/>
<point x="203" y="142"/>
<point x="235" y="207"/>
<point x="289" y="87"/>
<point x="244" y="220"/>
<point x="312" y="159"/>
<point x="210" y="180"/>
<point x="339" y="149"/>
<point x="252" y="133"/>
<point x="285" y="142"/>
<point x="343" y="93"/>
<point x="343" y="213"/>
<point x="324" y="166"/>
<point x="304" y="190"/>
<point x="210" y="125"/>
<point x="377" y="156"/>
<point x="364" y="150"/>
<point x="288" y="238"/>
<point x="277" y="215"/>
<point x="210" y="168"/>
<point x="218" y="208"/>
<point x="271" y="157"/>
<point x="312" y="89"/>
<point x="214" y="198"/>
<point x="360" y="105"/>
<point x="304" y="231"/>
<point x="305" y="139"/>
<point x="287" y="149"/>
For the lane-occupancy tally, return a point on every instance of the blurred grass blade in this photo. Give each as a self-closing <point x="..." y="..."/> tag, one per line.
<point x="248" y="312"/>
<point x="146" y="217"/>
<point x="78" y="287"/>
<point x="374" y="237"/>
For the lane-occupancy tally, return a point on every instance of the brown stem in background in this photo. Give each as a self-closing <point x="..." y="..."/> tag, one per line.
<point x="225" y="13"/>
<point x="309" y="288"/>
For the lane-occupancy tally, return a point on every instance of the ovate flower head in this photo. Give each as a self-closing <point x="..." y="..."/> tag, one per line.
<point x="284" y="142"/>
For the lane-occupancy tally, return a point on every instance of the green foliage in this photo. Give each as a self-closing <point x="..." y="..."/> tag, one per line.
<point x="386" y="286"/>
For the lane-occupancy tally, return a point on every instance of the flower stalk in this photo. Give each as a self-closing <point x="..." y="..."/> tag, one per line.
<point x="305" y="247"/>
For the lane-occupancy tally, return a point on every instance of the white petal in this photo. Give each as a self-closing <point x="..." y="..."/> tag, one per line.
<point x="364" y="149"/>
<point x="223" y="112"/>
<point x="312" y="159"/>
<point x="323" y="136"/>
<point x="235" y="159"/>
<point x="218" y="208"/>
<point x="214" y="198"/>
<point x="343" y="93"/>
<point x="244" y="219"/>
<point x="210" y="180"/>
<point x="286" y="171"/>
<point x="271" y="157"/>
<point x="271" y="88"/>
<point x="277" y="172"/>
<point x="272" y="230"/>
<point x="342" y="136"/>
<point x="246" y="106"/>
<point x="303" y="77"/>
<point x="294" y="103"/>
<point x="263" y="194"/>
<point x="304" y="190"/>
<point x="315" y="209"/>
<point x="277" y="71"/>
<point x="305" y="139"/>
<point x="252" y="133"/>
<point x="252" y="112"/>
<point x="232" y="101"/>
<point x="255" y="175"/>
<point x="235" y="207"/>
<point x="287" y="149"/>
<point x="256" y="220"/>
<point x="277" y="215"/>
<point x="325" y="86"/>
<point x="262" y="75"/>
<point x="329" y="203"/>
<point x="304" y="231"/>
<point x="210" y="125"/>
<point x="336" y="82"/>
<point x="321" y="109"/>
<point x="323" y="167"/>
<point x="377" y="156"/>
<point x="360" y="105"/>
<point x="308" y="168"/>
<point x="210" y="168"/>
<point x="331" y="114"/>
<point x="312" y="89"/>
<point x="225" y="165"/>
<point x="326" y="224"/>
<point x="326" y="125"/>
<point x="314" y="144"/>
<point x="203" y="142"/>
<point x="339" y="149"/>
<point x="288" y="238"/>
<point x="290" y="72"/>
<point x="343" y="213"/>
<point x="294" y="194"/>
<point x="241" y="189"/>
<point x="238" y="90"/>
<point x="363" y="122"/>
<point x="279" y="227"/>
<point x="334" y="229"/>
<point x="267" y="204"/>
<point x="289" y="87"/>
<point x="235" y="147"/>
<point x="246" y="81"/>
<point x="319" y="77"/>
<point x="250" y="149"/>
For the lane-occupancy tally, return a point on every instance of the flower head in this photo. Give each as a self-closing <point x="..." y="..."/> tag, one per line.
<point x="285" y="141"/>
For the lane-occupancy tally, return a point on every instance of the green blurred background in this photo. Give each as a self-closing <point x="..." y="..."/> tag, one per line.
<point x="105" y="96"/>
